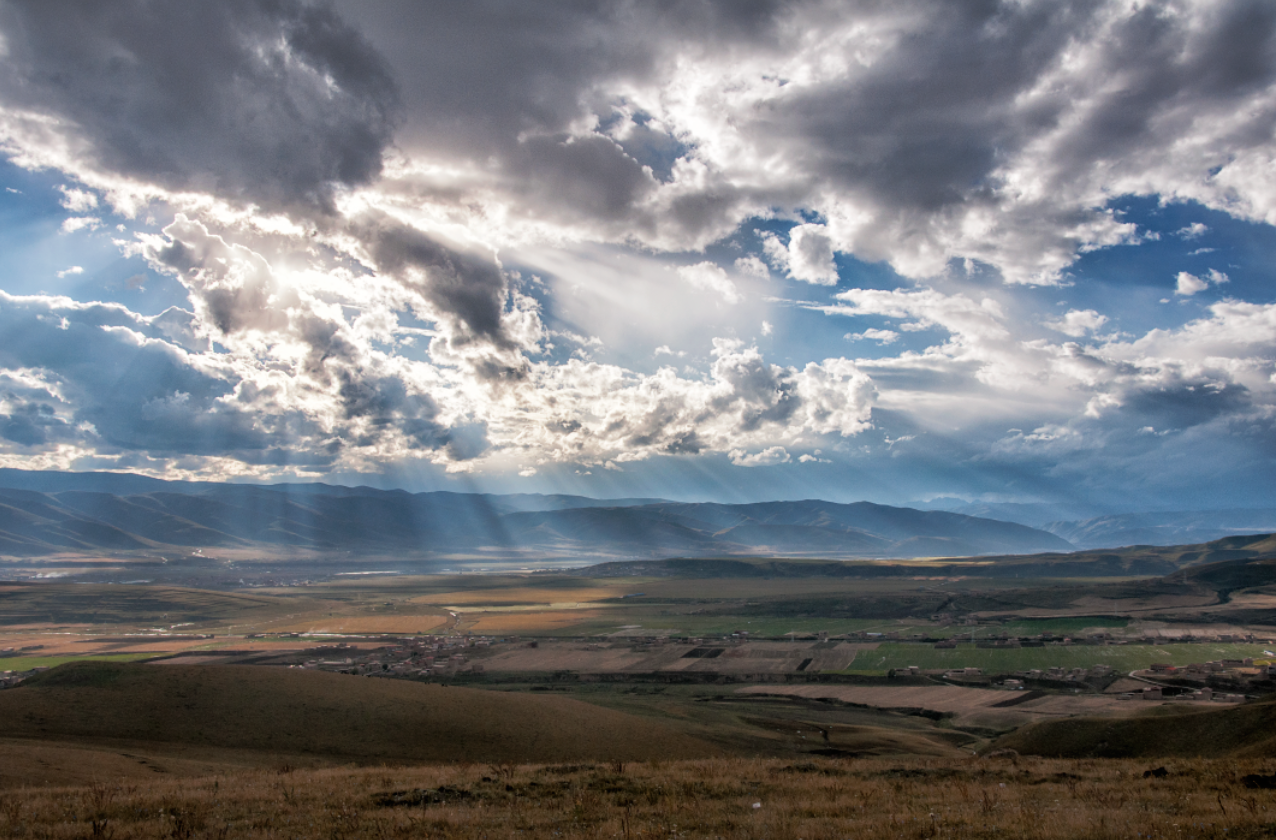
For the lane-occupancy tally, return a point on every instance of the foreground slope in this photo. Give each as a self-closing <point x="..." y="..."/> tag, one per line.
<point x="725" y="798"/>
<point x="294" y="711"/>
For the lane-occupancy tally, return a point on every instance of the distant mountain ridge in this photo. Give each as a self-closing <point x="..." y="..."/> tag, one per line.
<point x="47" y="513"/>
<point x="1163" y="527"/>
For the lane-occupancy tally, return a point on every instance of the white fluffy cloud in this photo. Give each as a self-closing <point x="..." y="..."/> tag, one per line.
<point x="1188" y="284"/>
<point x="809" y="256"/>
<point x="1078" y="322"/>
<point x="766" y="458"/>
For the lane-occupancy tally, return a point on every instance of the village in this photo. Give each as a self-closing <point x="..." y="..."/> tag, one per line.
<point x="737" y="657"/>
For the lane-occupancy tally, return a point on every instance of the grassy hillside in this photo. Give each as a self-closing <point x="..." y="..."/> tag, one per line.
<point x="338" y="716"/>
<point x="1240" y="731"/>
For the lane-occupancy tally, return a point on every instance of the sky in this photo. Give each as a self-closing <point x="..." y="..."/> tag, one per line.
<point x="888" y="250"/>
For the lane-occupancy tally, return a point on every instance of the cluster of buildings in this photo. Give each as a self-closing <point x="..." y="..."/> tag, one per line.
<point x="424" y="656"/>
<point x="9" y="679"/>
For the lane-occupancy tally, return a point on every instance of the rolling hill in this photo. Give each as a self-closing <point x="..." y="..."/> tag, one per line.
<point x="1247" y="731"/>
<point x="336" y="716"/>
<point x="1233" y="562"/>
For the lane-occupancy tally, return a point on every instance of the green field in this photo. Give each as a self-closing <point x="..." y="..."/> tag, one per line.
<point x="26" y="663"/>
<point x="1122" y="658"/>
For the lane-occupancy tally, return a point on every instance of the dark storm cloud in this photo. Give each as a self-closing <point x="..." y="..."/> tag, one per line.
<point x="384" y="403"/>
<point x="592" y="175"/>
<point x="935" y="102"/>
<point x="467" y="290"/>
<point x="474" y="76"/>
<point x="269" y="101"/>
<point x="930" y="123"/>
<point x="30" y="423"/>
<point x="503" y="82"/>
<point x="1168" y="75"/>
<point x="1181" y="404"/>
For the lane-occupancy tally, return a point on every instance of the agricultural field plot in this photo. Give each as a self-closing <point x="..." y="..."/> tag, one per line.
<point x="355" y="610"/>
<point x="1121" y="658"/>
<point x="370" y="624"/>
<point x="524" y="595"/>
<point x="26" y="663"/>
<point x="137" y="606"/>
<point x="37" y="642"/>
<point x="533" y="622"/>
<point x="748" y="658"/>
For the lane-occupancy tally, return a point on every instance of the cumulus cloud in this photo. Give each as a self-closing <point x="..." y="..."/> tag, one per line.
<point x="1078" y="322"/>
<point x="810" y="255"/>
<point x="74" y="223"/>
<point x="752" y="266"/>
<point x="880" y="336"/>
<point x="1188" y="284"/>
<point x="77" y="201"/>
<point x="766" y="458"/>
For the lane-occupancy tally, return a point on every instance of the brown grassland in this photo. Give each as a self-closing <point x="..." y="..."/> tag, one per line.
<point x="709" y="798"/>
<point x="540" y="621"/>
<point x="374" y="624"/>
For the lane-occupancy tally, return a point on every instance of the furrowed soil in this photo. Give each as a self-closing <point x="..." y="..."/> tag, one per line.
<point x="817" y="799"/>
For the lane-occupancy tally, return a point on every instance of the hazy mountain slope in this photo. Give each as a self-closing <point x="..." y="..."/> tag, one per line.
<point x="1032" y="514"/>
<point x="872" y="529"/>
<point x="34" y="523"/>
<point x="1163" y="528"/>
<point x="363" y="519"/>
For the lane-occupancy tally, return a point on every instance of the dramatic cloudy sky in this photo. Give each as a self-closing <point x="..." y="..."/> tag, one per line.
<point x="887" y="249"/>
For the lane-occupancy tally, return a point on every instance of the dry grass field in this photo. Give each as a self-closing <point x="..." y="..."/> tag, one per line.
<point x="725" y="798"/>
<point x="392" y="624"/>
<point x="1248" y="730"/>
<point x="528" y="621"/>
<point x="525" y="595"/>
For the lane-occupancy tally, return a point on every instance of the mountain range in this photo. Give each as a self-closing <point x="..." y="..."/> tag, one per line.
<point x="45" y="513"/>
<point x="1087" y="527"/>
